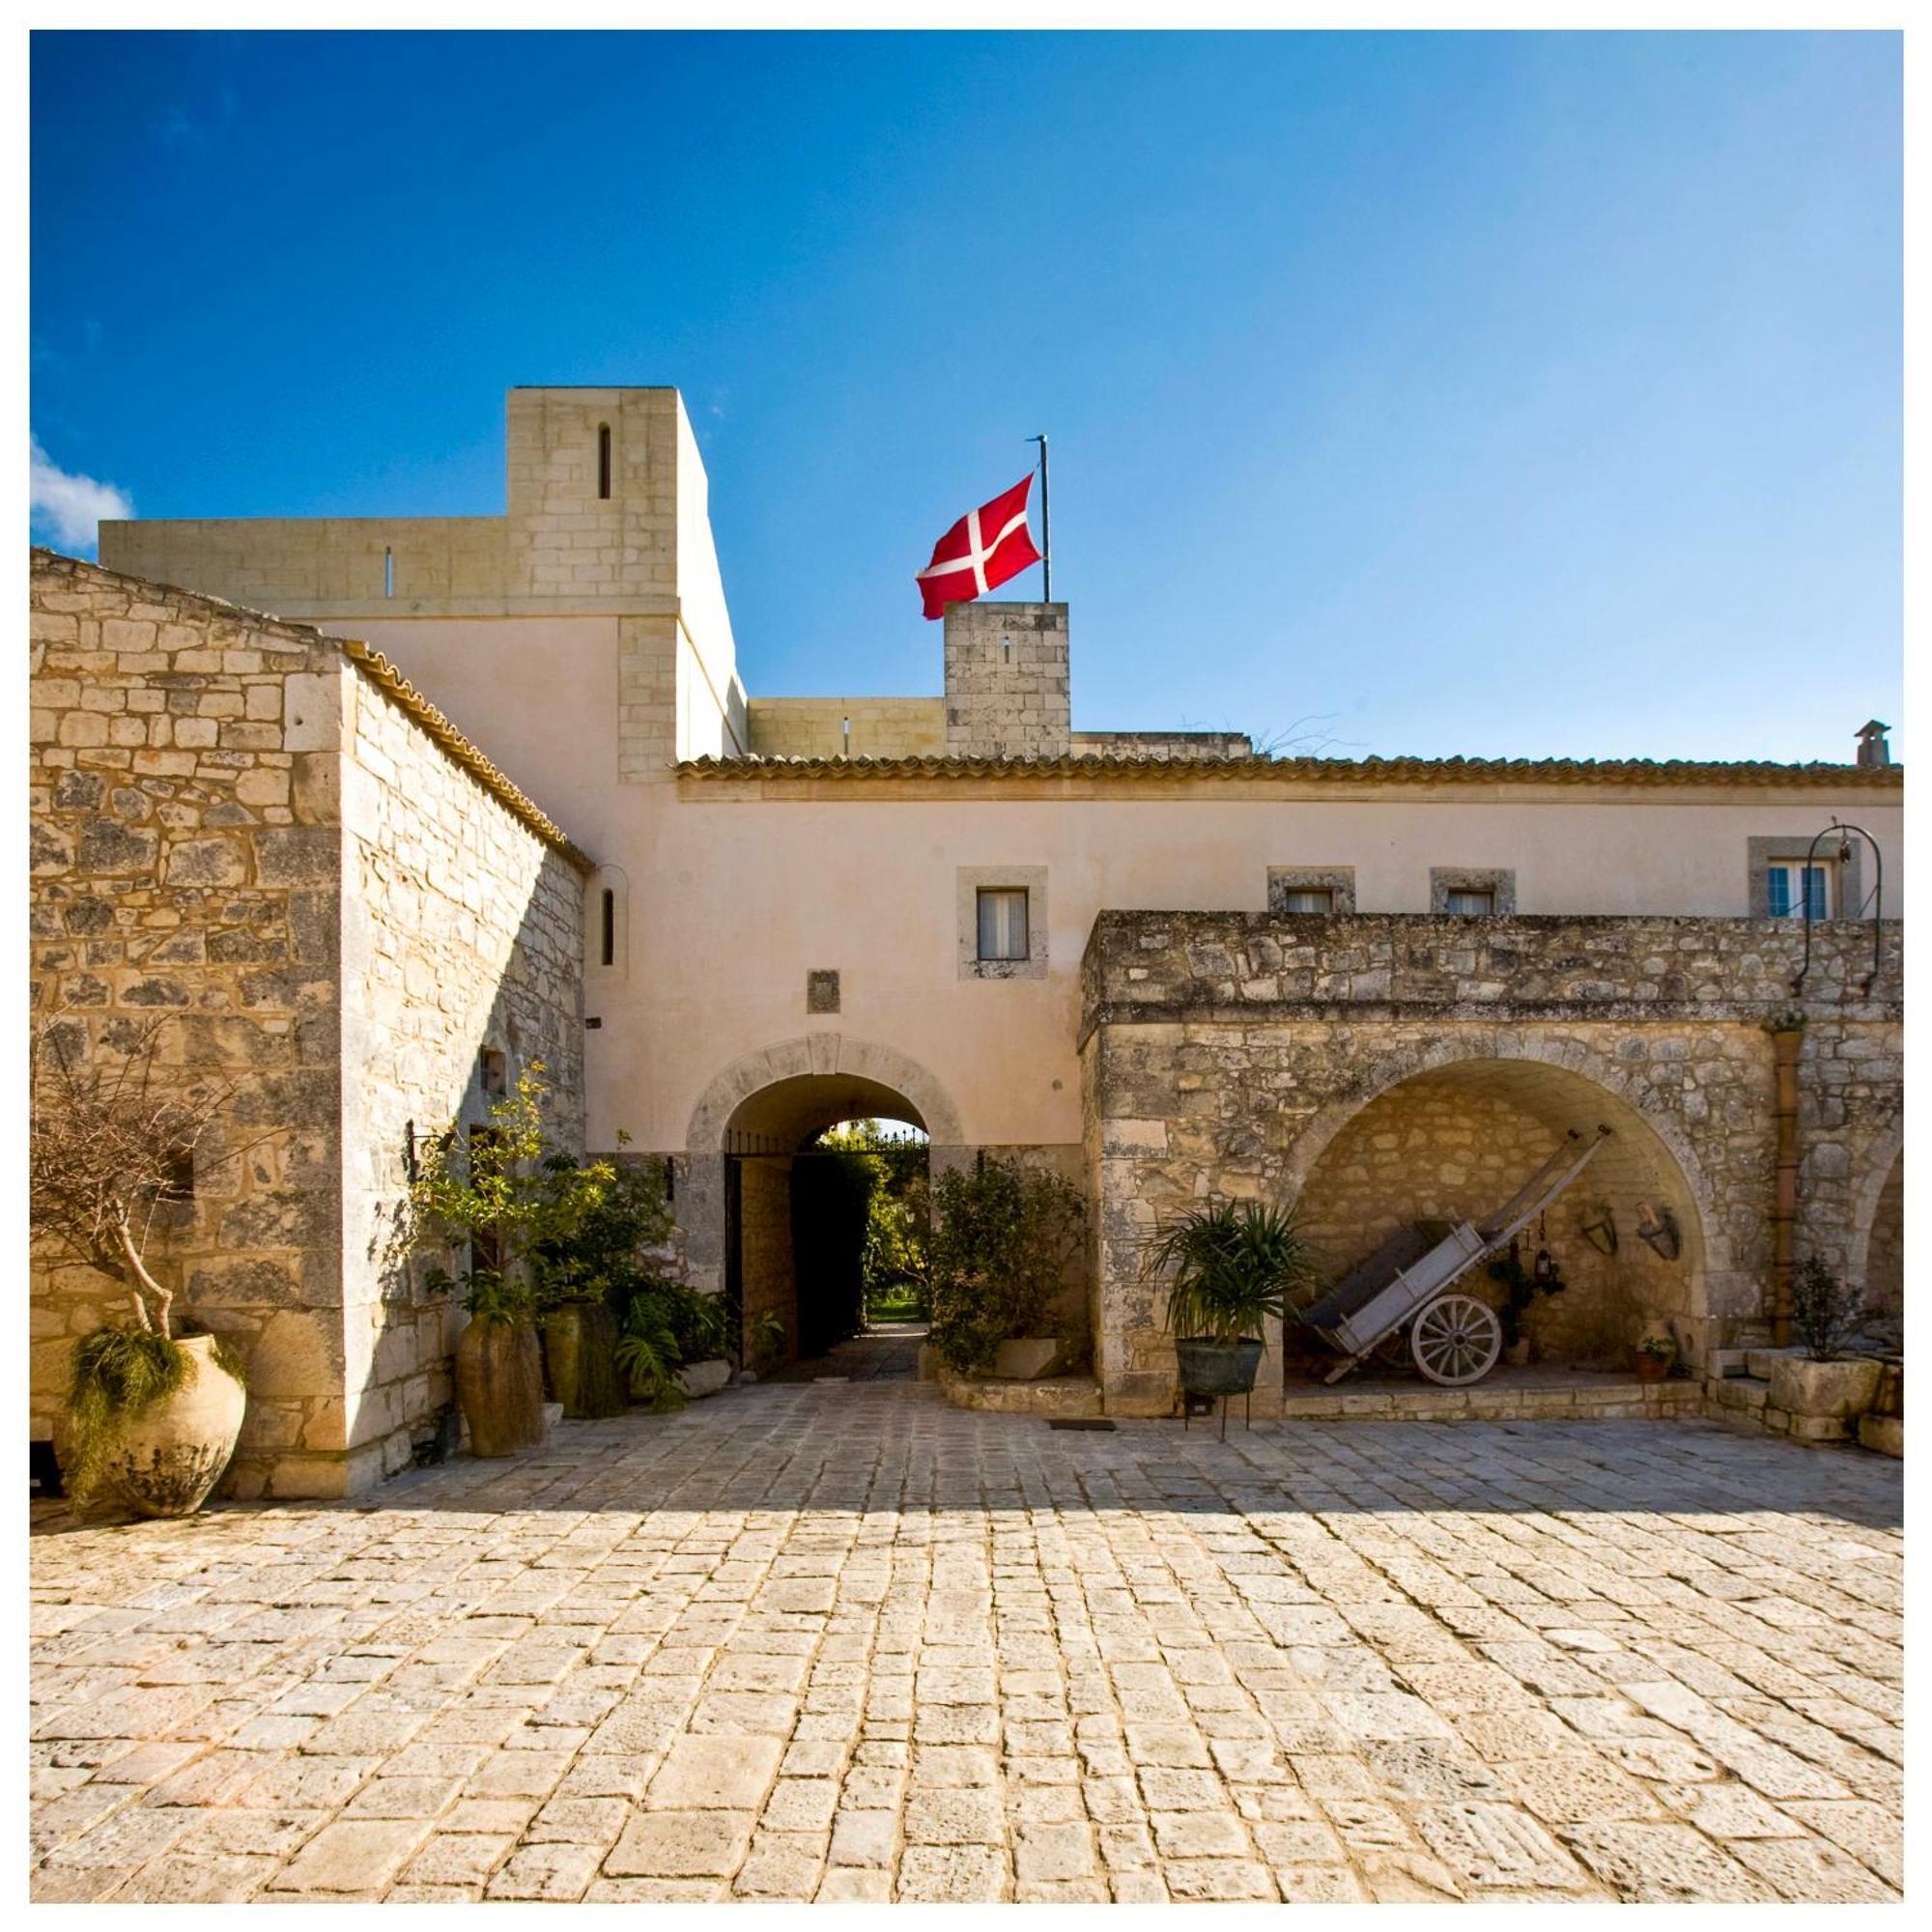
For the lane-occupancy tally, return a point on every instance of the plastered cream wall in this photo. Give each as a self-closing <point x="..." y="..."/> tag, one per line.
<point x="736" y="890"/>
<point x="607" y="655"/>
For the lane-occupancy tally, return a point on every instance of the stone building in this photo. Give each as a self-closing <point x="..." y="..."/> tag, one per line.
<point x="1155" y="961"/>
<point x="271" y="839"/>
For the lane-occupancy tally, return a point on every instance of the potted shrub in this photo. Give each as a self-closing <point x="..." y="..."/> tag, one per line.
<point x="588" y="1267"/>
<point x="1002" y="1235"/>
<point x="151" y="1415"/>
<point x="1234" y="1267"/>
<point x="517" y="1202"/>
<point x="671" y="1342"/>
<point x="1654" y="1355"/>
<point x="1825" y="1387"/>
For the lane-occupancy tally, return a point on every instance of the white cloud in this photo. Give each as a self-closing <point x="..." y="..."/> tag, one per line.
<point x="64" y="509"/>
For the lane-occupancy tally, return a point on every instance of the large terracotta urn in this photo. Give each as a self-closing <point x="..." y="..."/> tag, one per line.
<point x="500" y="1386"/>
<point x="581" y="1345"/>
<point x="166" y="1458"/>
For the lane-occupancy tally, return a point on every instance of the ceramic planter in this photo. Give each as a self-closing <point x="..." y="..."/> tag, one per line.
<point x="165" y="1460"/>
<point x="500" y="1386"/>
<point x="702" y="1378"/>
<point x="1217" y="1368"/>
<point x="1839" y="1391"/>
<point x="580" y="1340"/>
<point x="1652" y="1368"/>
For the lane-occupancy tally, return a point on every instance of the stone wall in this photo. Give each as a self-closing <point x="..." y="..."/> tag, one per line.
<point x="461" y="933"/>
<point x="1229" y="1055"/>
<point x="206" y="782"/>
<point x="183" y="810"/>
<point x="814" y="728"/>
<point x="1008" y="689"/>
<point x="1162" y="745"/>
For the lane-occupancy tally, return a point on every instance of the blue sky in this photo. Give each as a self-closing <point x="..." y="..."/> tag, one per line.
<point x="1506" y="395"/>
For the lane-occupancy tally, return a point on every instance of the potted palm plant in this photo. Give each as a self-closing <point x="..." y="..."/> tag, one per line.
<point x="1233" y="1267"/>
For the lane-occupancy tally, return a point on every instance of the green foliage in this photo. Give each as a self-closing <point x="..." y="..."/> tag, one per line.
<point x="1002" y="1237"/>
<point x="1234" y="1265"/>
<point x="1659" y="1347"/>
<point x="898" y="1223"/>
<point x="597" y="1255"/>
<point x="545" y="1221"/>
<point x="647" y="1353"/>
<point x="117" y="1374"/>
<point x="1825" y="1310"/>
<point x="766" y="1335"/>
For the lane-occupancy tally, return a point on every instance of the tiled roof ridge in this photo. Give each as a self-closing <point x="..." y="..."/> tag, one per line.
<point x="1370" y="769"/>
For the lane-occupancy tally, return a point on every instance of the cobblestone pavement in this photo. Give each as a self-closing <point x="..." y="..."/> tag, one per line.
<point x="887" y="1351"/>
<point x="848" y="1643"/>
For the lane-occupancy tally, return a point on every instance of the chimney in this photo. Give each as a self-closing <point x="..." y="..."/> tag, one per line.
<point x="1874" y="752"/>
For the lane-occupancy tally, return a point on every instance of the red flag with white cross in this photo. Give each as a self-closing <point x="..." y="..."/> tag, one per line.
<point x="984" y="548"/>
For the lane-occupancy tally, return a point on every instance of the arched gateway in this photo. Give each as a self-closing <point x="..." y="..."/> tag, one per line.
<point x="745" y="1131"/>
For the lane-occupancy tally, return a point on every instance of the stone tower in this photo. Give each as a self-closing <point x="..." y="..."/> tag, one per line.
<point x="1006" y="681"/>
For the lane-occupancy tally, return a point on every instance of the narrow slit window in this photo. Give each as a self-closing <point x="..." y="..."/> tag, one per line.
<point x="388" y="571"/>
<point x="604" y="460"/>
<point x="607" y="946"/>
<point x="1003" y="923"/>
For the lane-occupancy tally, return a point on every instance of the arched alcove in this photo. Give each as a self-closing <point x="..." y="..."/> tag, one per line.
<point x="1454" y="1140"/>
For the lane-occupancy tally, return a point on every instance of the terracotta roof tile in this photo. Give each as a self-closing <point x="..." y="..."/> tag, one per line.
<point x="1334" y="771"/>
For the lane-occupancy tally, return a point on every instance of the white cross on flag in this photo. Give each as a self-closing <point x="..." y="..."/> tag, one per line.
<point x="984" y="548"/>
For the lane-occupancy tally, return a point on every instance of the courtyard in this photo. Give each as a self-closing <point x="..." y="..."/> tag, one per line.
<point x="843" y="1643"/>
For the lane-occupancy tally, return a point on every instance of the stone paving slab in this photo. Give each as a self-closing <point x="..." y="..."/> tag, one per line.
<point x="847" y="1642"/>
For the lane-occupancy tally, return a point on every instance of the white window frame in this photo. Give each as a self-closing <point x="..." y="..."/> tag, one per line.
<point x="1782" y="878"/>
<point x="1001" y="923"/>
<point x="970" y="882"/>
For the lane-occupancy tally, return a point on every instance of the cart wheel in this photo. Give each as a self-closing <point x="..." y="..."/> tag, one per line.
<point x="1391" y="1351"/>
<point x="1456" y="1340"/>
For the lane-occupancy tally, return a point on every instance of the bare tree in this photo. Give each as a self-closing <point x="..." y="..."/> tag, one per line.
<point x="112" y="1150"/>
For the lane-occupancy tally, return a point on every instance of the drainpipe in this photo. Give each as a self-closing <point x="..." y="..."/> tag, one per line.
<point x="1787" y="1040"/>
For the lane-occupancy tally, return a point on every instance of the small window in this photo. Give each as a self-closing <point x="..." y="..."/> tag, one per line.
<point x="1471" y="903"/>
<point x="388" y="572"/>
<point x="1003" y="923"/>
<point x="1796" y="890"/>
<point x="1308" y="898"/>
<point x="606" y="941"/>
<point x="604" y="460"/>
<point x="492" y="1073"/>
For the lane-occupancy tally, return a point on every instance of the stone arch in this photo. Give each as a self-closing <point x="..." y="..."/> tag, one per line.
<point x="863" y="1073"/>
<point x="1559" y="1082"/>
<point x="1878" y="1215"/>
<point x="822" y="1054"/>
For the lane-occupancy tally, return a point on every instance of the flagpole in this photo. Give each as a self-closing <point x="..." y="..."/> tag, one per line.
<point x="1045" y="527"/>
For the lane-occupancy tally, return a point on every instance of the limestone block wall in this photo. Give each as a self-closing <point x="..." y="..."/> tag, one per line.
<point x="1229" y="1054"/>
<point x="461" y="932"/>
<point x="1162" y="745"/>
<point x="1008" y="680"/>
<point x="183" y="806"/>
<point x="282" y="563"/>
<point x="814" y="728"/>
<point x="239" y="826"/>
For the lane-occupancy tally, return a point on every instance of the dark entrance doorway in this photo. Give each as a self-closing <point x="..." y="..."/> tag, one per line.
<point x="799" y="1228"/>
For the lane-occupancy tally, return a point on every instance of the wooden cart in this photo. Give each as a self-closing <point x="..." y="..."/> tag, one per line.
<point x="1408" y="1284"/>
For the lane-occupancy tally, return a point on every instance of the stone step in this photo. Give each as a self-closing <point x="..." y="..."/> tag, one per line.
<point x="1758" y="1361"/>
<point x="1722" y="1362"/>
